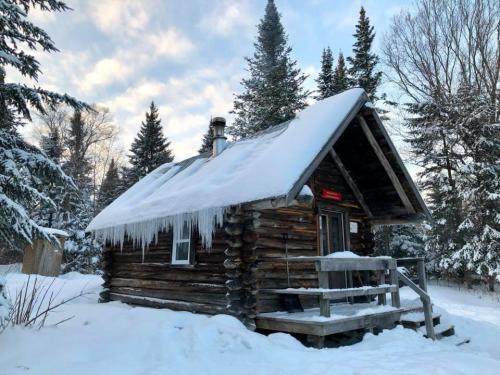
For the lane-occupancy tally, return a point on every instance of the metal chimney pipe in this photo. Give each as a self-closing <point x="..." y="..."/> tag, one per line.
<point x="219" y="139"/>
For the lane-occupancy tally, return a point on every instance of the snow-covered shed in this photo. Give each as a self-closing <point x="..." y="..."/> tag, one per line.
<point x="204" y="234"/>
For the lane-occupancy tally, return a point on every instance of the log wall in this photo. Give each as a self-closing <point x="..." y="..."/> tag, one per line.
<point x="199" y="287"/>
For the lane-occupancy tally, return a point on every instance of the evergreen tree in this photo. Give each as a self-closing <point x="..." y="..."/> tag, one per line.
<point x="363" y="63"/>
<point x="24" y="169"/>
<point x="17" y="37"/>
<point x="478" y="185"/>
<point x="325" y="76"/>
<point x="340" y="76"/>
<point x="207" y="140"/>
<point x="110" y="187"/>
<point x="399" y="241"/>
<point x="273" y="93"/>
<point x="78" y="165"/>
<point x="150" y="148"/>
<point x="52" y="146"/>
<point x="434" y="144"/>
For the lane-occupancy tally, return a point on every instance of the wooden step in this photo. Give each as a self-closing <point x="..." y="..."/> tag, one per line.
<point x="441" y="331"/>
<point x="336" y="293"/>
<point x="417" y="320"/>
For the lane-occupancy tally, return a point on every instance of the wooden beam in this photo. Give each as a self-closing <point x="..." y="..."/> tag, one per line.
<point x="329" y="144"/>
<point x="385" y="163"/>
<point x="350" y="182"/>
<point x="414" y="189"/>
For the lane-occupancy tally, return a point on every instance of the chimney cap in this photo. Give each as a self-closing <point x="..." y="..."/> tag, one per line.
<point x="221" y="121"/>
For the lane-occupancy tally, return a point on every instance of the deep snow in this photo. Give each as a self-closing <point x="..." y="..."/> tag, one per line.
<point x="116" y="338"/>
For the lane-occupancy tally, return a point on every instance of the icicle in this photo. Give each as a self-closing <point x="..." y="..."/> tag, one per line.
<point x="143" y="233"/>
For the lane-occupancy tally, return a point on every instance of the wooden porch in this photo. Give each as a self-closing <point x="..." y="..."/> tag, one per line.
<point x="339" y="317"/>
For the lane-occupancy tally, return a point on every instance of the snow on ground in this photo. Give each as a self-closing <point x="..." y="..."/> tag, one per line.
<point x="116" y="338"/>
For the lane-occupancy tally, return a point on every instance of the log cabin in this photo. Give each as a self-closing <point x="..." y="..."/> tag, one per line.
<point x="236" y="230"/>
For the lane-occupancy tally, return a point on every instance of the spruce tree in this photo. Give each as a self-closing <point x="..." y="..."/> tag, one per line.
<point x="340" y="76"/>
<point x="363" y="64"/>
<point x="51" y="144"/>
<point x="399" y="241"/>
<point x="150" y="148"/>
<point x="325" y="76"/>
<point x="478" y="185"/>
<point x="25" y="172"/>
<point x="274" y="91"/>
<point x="78" y="165"/>
<point x="110" y="187"/>
<point x="206" y="141"/>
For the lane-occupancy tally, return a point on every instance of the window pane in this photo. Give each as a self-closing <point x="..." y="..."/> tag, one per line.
<point x="182" y="252"/>
<point x="324" y="235"/>
<point x="336" y="235"/>
<point x="185" y="232"/>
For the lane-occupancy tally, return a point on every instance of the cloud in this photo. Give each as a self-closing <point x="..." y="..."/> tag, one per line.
<point x="170" y="43"/>
<point x="227" y="16"/>
<point x="104" y="72"/>
<point x="120" y="17"/>
<point x="136" y="98"/>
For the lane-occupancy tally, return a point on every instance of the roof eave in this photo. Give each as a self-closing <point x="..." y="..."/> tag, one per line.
<point x="306" y="174"/>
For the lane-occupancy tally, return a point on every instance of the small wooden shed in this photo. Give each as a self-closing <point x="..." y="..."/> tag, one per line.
<point x="44" y="256"/>
<point x="224" y="232"/>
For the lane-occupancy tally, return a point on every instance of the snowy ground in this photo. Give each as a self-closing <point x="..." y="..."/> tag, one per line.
<point x="115" y="338"/>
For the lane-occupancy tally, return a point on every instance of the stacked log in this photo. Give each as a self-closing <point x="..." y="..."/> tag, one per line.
<point x="234" y="225"/>
<point x="106" y="276"/>
<point x="250" y="268"/>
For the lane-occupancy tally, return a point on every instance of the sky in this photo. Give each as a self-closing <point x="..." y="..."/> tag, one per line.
<point x="186" y="56"/>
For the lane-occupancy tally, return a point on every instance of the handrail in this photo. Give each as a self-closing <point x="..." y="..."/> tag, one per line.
<point x="426" y="302"/>
<point x="419" y="262"/>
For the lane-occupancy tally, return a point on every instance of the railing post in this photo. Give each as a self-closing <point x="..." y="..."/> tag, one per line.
<point x="426" y="303"/>
<point x="324" y="304"/>
<point x="422" y="280"/>
<point x="393" y="275"/>
<point x="381" y="281"/>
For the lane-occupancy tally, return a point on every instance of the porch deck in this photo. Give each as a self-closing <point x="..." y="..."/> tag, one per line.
<point x="338" y="317"/>
<point x="345" y="317"/>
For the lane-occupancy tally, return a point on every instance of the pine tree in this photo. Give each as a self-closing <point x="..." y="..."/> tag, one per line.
<point x="274" y="91"/>
<point x="78" y="165"/>
<point x="17" y="37"/>
<point x="399" y="241"/>
<point x="340" y="76"/>
<point x="51" y="144"/>
<point x="25" y="175"/>
<point x="110" y="187"/>
<point x="207" y="140"/>
<point x="478" y="184"/>
<point x="150" y="148"/>
<point x="325" y="76"/>
<point x="363" y="64"/>
<point x="25" y="172"/>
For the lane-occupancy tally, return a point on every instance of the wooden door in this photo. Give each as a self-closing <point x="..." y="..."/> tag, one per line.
<point x="332" y="239"/>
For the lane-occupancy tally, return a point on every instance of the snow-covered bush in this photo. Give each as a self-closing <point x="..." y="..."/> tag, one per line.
<point x="399" y="241"/>
<point x="4" y="304"/>
<point x="82" y="253"/>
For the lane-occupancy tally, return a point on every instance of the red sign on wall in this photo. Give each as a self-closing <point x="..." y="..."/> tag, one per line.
<point x="331" y="194"/>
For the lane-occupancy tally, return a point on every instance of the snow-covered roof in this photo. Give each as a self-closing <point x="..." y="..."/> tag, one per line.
<point x="198" y="189"/>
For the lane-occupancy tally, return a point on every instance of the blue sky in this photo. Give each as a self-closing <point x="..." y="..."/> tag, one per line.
<point x="187" y="56"/>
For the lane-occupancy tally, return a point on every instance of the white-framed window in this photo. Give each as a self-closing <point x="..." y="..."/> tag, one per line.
<point x="181" y="248"/>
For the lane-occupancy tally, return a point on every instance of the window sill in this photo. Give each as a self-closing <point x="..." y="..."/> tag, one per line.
<point x="173" y="265"/>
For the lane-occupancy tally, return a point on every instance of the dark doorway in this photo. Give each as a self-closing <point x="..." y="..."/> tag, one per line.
<point x="332" y="240"/>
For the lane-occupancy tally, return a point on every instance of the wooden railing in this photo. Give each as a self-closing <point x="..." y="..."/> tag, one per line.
<point x="325" y="265"/>
<point x="420" y="289"/>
